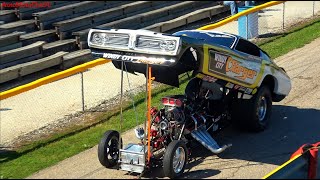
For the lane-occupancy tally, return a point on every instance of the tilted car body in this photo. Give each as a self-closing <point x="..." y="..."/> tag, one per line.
<point x="234" y="61"/>
<point x="233" y="80"/>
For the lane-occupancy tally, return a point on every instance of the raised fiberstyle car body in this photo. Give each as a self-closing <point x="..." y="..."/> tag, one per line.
<point x="235" y="82"/>
<point x="214" y="56"/>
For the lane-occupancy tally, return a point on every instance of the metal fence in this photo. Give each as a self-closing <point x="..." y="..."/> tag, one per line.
<point x="272" y="20"/>
<point x="52" y="104"/>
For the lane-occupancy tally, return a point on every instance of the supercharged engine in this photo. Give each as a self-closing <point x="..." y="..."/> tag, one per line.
<point x="167" y="122"/>
<point x="201" y="108"/>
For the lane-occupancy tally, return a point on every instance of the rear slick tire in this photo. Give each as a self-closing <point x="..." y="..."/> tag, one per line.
<point x="254" y="114"/>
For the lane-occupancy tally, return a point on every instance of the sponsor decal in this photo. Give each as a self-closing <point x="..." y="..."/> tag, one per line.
<point x="209" y="79"/>
<point x="248" y="90"/>
<point x="238" y="87"/>
<point x="224" y="64"/>
<point x="135" y="59"/>
<point x="220" y="60"/>
<point x="242" y="72"/>
<point x="229" y="85"/>
<point x="111" y="56"/>
<point x="217" y="62"/>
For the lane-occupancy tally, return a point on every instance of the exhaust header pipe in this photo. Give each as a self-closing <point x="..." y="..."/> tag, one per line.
<point x="207" y="141"/>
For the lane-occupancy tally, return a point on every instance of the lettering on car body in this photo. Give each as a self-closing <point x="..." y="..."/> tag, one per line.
<point x="220" y="60"/>
<point x="209" y="78"/>
<point x="226" y="64"/>
<point x="217" y="62"/>
<point x="136" y="59"/>
<point x="242" y="72"/>
<point x="238" y="87"/>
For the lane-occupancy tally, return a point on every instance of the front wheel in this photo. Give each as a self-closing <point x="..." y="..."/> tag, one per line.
<point x="108" y="149"/>
<point x="175" y="159"/>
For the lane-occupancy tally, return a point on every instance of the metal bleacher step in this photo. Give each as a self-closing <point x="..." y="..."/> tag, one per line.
<point x="8" y="16"/>
<point x="65" y="28"/>
<point x="67" y="45"/>
<point x="76" y="57"/>
<point x="148" y="18"/>
<point x="45" y="19"/>
<point x="26" y="12"/>
<point x="44" y="35"/>
<point x="21" y="55"/>
<point x="23" y="69"/>
<point x="22" y="25"/>
<point x="9" y="40"/>
<point x="185" y="20"/>
<point x="136" y="20"/>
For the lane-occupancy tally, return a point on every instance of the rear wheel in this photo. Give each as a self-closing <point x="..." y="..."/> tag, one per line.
<point x="254" y="114"/>
<point x="108" y="148"/>
<point x="175" y="159"/>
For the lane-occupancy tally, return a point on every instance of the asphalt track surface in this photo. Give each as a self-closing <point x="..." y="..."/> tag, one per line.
<point x="294" y="122"/>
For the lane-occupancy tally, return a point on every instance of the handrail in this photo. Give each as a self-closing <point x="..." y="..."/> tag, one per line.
<point x="51" y="78"/>
<point x="236" y="16"/>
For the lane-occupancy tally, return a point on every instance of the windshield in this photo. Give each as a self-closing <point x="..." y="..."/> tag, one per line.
<point x="213" y="37"/>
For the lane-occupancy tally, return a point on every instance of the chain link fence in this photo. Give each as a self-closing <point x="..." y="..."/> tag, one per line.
<point x="272" y="20"/>
<point x="52" y="104"/>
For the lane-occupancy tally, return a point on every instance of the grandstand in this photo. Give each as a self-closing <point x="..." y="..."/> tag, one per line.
<point x="33" y="39"/>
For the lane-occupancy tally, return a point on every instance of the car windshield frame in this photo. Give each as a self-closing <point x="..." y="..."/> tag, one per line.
<point x="212" y="37"/>
<point x="220" y="38"/>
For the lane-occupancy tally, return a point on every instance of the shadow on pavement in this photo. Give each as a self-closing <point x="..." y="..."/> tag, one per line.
<point x="157" y="173"/>
<point x="289" y="128"/>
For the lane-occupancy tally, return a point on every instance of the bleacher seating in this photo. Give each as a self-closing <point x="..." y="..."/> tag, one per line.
<point x="187" y="19"/>
<point x="22" y="25"/>
<point x="142" y="20"/>
<point x="45" y="19"/>
<point x="66" y="27"/>
<point x="10" y="41"/>
<point x="33" y="39"/>
<point x="26" y="12"/>
<point x="21" y="55"/>
<point x="8" y="16"/>
<point x="45" y="35"/>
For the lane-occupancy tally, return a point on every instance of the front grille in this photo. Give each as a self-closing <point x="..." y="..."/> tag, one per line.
<point x="117" y="39"/>
<point x="142" y="42"/>
<point x="148" y="42"/>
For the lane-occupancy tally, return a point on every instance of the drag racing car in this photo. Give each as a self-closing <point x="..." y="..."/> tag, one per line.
<point x="233" y="81"/>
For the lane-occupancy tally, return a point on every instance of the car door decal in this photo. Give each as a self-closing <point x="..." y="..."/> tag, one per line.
<point x="217" y="67"/>
<point x="242" y="72"/>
